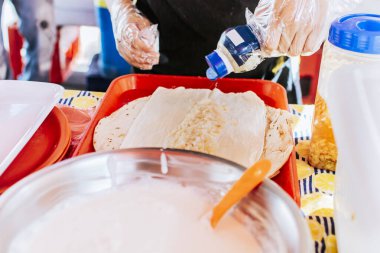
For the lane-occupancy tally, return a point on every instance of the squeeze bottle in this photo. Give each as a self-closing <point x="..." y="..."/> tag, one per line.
<point x="238" y="51"/>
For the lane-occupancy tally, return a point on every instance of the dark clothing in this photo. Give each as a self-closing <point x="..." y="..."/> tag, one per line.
<point x="190" y="29"/>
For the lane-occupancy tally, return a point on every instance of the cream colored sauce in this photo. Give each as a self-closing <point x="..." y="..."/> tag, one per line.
<point x="149" y="216"/>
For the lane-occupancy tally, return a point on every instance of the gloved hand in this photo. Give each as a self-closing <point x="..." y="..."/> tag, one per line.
<point x="134" y="34"/>
<point x="295" y="27"/>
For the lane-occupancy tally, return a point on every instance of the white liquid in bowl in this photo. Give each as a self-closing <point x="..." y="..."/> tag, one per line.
<point x="147" y="216"/>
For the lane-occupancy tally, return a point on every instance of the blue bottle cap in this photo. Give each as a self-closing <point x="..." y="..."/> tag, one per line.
<point x="357" y="33"/>
<point x="217" y="68"/>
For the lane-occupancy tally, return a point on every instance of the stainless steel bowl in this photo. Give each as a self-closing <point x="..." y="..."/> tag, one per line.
<point x="268" y="212"/>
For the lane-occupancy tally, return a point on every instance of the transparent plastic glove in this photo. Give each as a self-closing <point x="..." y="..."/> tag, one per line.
<point x="136" y="38"/>
<point x="295" y="27"/>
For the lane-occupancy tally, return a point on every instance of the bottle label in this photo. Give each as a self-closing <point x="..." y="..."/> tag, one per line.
<point x="235" y="37"/>
<point x="241" y="43"/>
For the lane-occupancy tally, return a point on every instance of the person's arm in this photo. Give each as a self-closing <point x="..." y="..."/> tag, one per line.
<point x="295" y="27"/>
<point x="128" y="22"/>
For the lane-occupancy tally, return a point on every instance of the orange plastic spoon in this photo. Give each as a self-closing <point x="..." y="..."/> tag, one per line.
<point x="251" y="178"/>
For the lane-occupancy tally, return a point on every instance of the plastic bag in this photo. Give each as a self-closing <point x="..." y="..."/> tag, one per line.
<point x="295" y="27"/>
<point x="136" y="38"/>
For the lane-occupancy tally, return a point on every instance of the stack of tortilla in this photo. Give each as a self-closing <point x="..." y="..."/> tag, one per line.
<point x="235" y="126"/>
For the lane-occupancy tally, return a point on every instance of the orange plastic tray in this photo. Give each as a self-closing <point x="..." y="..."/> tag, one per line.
<point x="130" y="87"/>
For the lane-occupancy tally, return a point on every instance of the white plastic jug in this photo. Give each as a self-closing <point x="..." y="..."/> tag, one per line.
<point x="354" y="106"/>
<point x="355" y="114"/>
<point x="353" y="39"/>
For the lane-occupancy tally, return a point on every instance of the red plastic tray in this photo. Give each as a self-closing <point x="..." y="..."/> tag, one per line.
<point x="130" y="87"/>
<point x="48" y="145"/>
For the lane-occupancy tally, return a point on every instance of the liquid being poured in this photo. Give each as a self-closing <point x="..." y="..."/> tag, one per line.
<point x="214" y="84"/>
<point x="112" y="166"/>
<point x="164" y="163"/>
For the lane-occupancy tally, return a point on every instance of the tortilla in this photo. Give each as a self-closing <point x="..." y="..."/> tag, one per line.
<point x="111" y="131"/>
<point x="278" y="138"/>
<point x="242" y="140"/>
<point x="164" y="111"/>
<point x="201" y="120"/>
<point x="235" y="126"/>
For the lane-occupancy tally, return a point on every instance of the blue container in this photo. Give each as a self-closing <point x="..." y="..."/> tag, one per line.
<point x="111" y="63"/>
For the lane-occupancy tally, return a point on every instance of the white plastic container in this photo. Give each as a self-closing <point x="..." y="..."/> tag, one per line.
<point x="355" y="113"/>
<point x="23" y="107"/>
<point x="349" y="43"/>
<point x="351" y="87"/>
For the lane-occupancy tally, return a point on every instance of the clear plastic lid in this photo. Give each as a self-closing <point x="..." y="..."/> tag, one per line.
<point x="23" y="107"/>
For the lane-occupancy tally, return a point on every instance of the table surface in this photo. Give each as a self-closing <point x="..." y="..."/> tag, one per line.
<point x="316" y="186"/>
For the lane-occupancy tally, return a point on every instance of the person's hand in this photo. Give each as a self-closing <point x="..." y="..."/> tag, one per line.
<point x="296" y="27"/>
<point x="131" y="30"/>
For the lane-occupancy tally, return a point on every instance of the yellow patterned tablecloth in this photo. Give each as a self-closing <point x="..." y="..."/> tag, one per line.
<point x="316" y="186"/>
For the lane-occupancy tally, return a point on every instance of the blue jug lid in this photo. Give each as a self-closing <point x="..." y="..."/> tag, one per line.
<point x="357" y="33"/>
<point x="217" y="67"/>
